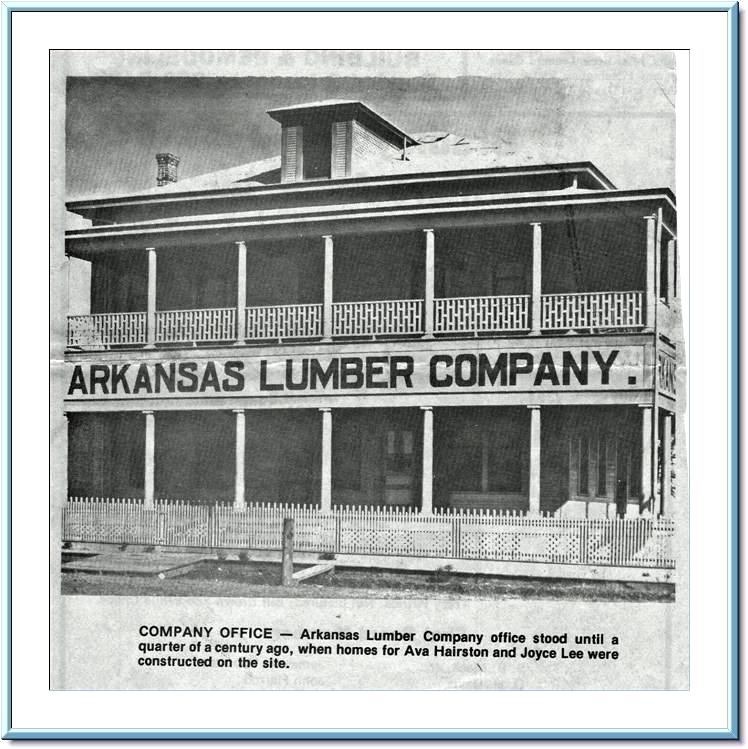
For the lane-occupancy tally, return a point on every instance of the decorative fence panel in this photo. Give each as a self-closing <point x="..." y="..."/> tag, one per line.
<point x="110" y="329"/>
<point x="481" y="314"/>
<point x="605" y="309"/>
<point x="284" y="321"/>
<point x="193" y="325"/>
<point x="377" y="531"/>
<point x="400" y="316"/>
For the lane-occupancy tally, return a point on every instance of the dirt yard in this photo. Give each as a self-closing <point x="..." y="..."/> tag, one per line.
<point x="255" y="579"/>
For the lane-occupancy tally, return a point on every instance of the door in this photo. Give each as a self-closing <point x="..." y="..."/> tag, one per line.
<point x="398" y="467"/>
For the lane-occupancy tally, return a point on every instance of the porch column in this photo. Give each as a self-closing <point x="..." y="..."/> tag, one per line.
<point x="427" y="479"/>
<point x="428" y="302"/>
<point x="150" y="333"/>
<point x="646" y="480"/>
<point x="150" y="459"/>
<point x="534" y="483"/>
<point x="241" y="293"/>
<point x="239" y="498"/>
<point x="327" y="299"/>
<point x="537" y="277"/>
<point x="667" y="432"/>
<point x="651" y="298"/>
<point x="325" y="497"/>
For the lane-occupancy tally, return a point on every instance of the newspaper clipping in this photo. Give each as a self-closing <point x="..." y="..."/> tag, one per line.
<point x="368" y="371"/>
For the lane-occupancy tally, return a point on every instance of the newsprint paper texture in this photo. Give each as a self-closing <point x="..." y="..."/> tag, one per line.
<point x="423" y="305"/>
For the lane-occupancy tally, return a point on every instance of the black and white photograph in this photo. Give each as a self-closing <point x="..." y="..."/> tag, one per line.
<point x="375" y="336"/>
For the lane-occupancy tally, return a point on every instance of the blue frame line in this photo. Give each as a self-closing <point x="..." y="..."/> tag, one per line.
<point x="7" y="731"/>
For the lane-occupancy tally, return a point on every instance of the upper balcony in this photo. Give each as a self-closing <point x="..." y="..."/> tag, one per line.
<point x="580" y="276"/>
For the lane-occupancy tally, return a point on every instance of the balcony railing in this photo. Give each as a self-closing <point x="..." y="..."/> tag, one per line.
<point x="284" y="321"/>
<point x="109" y="329"/>
<point x="193" y="325"/>
<point x="589" y="311"/>
<point x="400" y="316"/>
<point x="481" y="314"/>
<point x="585" y="312"/>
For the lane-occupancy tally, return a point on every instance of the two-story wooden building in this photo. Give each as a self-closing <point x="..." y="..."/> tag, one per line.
<point x="405" y="328"/>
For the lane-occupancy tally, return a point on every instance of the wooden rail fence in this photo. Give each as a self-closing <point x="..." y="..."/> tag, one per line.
<point x="464" y="534"/>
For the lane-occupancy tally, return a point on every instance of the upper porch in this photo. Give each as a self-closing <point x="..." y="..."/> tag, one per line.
<point x="571" y="271"/>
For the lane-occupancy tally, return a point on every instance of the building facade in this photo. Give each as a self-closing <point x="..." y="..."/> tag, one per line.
<point x="378" y="320"/>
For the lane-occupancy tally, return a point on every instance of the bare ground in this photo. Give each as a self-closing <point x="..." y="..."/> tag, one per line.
<point x="261" y="580"/>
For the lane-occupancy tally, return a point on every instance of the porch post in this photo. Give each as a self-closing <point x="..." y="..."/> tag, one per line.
<point x="427" y="479"/>
<point x="537" y="277"/>
<point x="150" y="335"/>
<point x="150" y="459"/>
<point x="646" y="479"/>
<point x="239" y="497"/>
<point x="651" y="299"/>
<point x="241" y="293"/>
<point x="327" y="298"/>
<point x="326" y="482"/>
<point x="667" y="432"/>
<point x="428" y="302"/>
<point x="534" y="483"/>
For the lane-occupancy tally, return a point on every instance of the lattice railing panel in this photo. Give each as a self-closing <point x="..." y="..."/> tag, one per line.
<point x="590" y="311"/>
<point x="392" y="317"/>
<point x="284" y="321"/>
<point x="193" y="325"/>
<point x="481" y="314"/>
<point x="109" y="329"/>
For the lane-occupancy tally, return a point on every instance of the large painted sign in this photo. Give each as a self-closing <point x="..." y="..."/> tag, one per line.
<point x="482" y="370"/>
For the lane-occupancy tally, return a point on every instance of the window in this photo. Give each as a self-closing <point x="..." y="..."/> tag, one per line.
<point x="602" y="466"/>
<point x="583" y="475"/>
<point x="399" y="450"/>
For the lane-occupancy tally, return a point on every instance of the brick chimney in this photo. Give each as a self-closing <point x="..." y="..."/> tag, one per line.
<point x="167" y="168"/>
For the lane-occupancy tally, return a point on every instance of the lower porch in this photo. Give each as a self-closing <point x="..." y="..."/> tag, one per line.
<point x="550" y="485"/>
<point x="592" y="462"/>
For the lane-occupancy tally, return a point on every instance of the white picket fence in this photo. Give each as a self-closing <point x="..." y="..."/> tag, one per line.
<point x="449" y="534"/>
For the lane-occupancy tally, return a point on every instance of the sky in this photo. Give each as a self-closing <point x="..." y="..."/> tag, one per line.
<point x="615" y="109"/>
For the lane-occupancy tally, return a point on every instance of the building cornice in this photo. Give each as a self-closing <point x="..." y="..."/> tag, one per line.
<point x="337" y="185"/>
<point x="456" y="206"/>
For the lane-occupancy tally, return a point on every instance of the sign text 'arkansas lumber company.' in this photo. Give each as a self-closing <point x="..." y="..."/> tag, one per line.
<point x="419" y="372"/>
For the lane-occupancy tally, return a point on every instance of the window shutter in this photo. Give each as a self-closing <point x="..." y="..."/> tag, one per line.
<point x="292" y="154"/>
<point x="341" y="141"/>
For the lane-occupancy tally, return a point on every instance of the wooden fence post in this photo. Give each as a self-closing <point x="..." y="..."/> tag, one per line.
<point x="287" y="552"/>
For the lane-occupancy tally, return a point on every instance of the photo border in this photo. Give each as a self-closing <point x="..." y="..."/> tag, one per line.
<point x="9" y="732"/>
